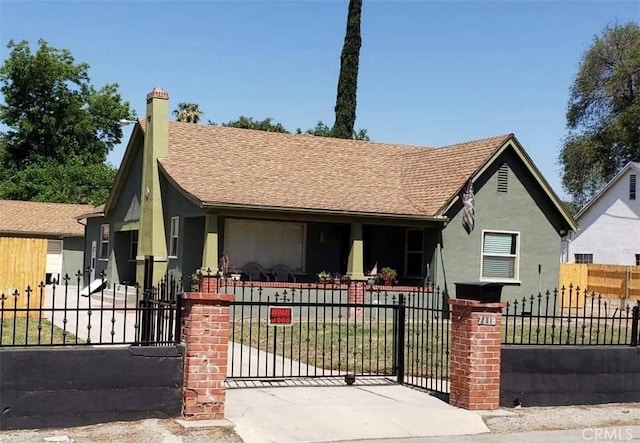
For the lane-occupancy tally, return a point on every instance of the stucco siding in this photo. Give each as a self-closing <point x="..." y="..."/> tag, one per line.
<point x="520" y="210"/>
<point x="174" y="203"/>
<point x="127" y="208"/>
<point x="610" y="227"/>
<point x="72" y="257"/>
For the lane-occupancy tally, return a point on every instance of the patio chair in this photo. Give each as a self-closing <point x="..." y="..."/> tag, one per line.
<point x="255" y="272"/>
<point x="283" y="273"/>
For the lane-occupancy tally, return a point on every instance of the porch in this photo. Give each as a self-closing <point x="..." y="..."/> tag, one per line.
<point x="259" y="249"/>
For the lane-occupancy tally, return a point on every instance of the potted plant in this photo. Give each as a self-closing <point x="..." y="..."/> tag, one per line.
<point x="387" y="275"/>
<point x="324" y="276"/>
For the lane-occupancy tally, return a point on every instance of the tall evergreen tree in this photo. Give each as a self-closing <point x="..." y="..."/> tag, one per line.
<point x="348" y="81"/>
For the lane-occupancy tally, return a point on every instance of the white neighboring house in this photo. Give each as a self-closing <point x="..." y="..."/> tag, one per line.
<point x="609" y="225"/>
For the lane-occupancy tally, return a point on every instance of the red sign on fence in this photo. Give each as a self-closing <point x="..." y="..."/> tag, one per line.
<point x="280" y="316"/>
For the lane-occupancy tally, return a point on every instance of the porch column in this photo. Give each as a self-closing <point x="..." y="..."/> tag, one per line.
<point x="355" y="265"/>
<point x="210" y="250"/>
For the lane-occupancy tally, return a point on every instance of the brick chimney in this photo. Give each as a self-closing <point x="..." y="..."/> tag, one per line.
<point x="151" y="237"/>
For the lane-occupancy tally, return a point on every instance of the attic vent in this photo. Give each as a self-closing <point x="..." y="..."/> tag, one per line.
<point x="632" y="187"/>
<point x="503" y="178"/>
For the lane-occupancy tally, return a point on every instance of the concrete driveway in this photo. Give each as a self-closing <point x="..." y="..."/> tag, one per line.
<point x="337" y="413"/>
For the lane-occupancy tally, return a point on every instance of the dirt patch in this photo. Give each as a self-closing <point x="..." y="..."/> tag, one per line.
<point x="565" y="417"/>
<point x="142" y="431"/>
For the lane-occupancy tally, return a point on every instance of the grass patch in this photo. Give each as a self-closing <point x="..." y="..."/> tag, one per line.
<point x="30" y="331"/>
<point x="528" y="331"/>
<point x="357" y="348"/>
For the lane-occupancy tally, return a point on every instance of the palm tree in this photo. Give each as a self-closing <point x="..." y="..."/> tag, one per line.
<point x="188" y="113"/>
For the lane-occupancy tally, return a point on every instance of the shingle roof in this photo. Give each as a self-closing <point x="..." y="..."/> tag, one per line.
<point x="22" y="217"/>
<point x="221" y="165"/>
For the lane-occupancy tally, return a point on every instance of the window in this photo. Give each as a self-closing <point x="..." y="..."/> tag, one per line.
<point x="133" y="250"/>
<point x="583" y="258"/>
<point x="104" y="242"/>
<point x="632" y="187"/>
<point x="173" y="237"/>
<point x="637" y="259"/>
<point x="268" y="243"/>
<point x="413" y="250"/>
<point x="500" y="250"/>
<point x="503" y="178"/>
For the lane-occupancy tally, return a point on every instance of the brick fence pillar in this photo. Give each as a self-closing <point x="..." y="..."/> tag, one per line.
<point x="205" y="333"/>
<point x="356" y="295"/>
<point x="474" y="362"/>
<point x="209" y="283"/>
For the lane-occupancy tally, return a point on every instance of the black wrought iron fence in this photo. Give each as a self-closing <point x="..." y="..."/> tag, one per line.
<point x="65" y="314"/>
<point x="571" y="316"/>
<point x="325" y="330"/>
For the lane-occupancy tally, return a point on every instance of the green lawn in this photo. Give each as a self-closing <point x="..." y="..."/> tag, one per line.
<point x="528" y="331"/>
<point x="369" y="348"/>
<point x="30" y="331"/>
<point x="362" y="349"/>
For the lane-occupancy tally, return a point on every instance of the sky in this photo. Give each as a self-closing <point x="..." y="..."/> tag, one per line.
<point x="432" y="73"/>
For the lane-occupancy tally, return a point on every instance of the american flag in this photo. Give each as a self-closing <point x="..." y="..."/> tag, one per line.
<point x="469" y="210"/>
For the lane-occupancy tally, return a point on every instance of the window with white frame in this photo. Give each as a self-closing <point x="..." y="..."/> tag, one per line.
<point x="414" y="252"/>
<point x="583" y="258"/>
<point x="173" y="236"/>
<point x="267" y="243"/>
<point x="104" y="241"/>
<point x="500" y="256"/>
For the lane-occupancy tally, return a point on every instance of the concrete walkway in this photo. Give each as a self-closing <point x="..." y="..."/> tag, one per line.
<point x="321" y="414"/>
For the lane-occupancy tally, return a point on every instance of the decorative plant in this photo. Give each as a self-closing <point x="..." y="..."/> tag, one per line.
<point x="324" y="276"/>
<point x="388" y="275"/>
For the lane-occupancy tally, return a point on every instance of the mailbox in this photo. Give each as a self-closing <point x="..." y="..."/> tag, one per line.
<point x="484" y="292"/>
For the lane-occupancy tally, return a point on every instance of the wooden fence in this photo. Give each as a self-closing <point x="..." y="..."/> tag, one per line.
<point x="610" y="281"/>
<point x="23" y="263"/>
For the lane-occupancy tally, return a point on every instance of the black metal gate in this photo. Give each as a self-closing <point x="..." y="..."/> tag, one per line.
<point x="313" y="331"/>
<point x="425" y="363"/>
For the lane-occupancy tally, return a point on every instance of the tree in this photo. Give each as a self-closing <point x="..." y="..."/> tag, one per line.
<point x="266" y="124"/>
<point x="52" y="110"/>
<point x="323" y="130"/>
<point x="348" y="80"/>
<point x="69" y="182"/>
<point x="188" y="113"/>
<point x="603" y="116"/>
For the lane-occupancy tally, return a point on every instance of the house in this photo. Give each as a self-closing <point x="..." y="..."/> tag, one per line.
<point x="188" y="195"/>
<point x="609" y="224"/>
<point x="39" y="242"/>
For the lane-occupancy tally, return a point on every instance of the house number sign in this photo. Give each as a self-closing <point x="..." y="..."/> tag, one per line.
<point x="487" y="320"/>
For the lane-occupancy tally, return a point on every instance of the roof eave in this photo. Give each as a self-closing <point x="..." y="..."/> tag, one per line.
<point x="321" y="211"/>
<point x="42" y="234"/>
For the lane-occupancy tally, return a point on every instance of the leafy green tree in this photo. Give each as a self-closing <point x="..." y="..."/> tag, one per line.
<point x="348" y="80"/>
<point x="69" y="182"/>
<point x="323" y="130"/>
<point x="266" y="124"/>
<point x="53" y="112"/>
<point x="603" y="115"/>
<point x="188" y="113"/>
